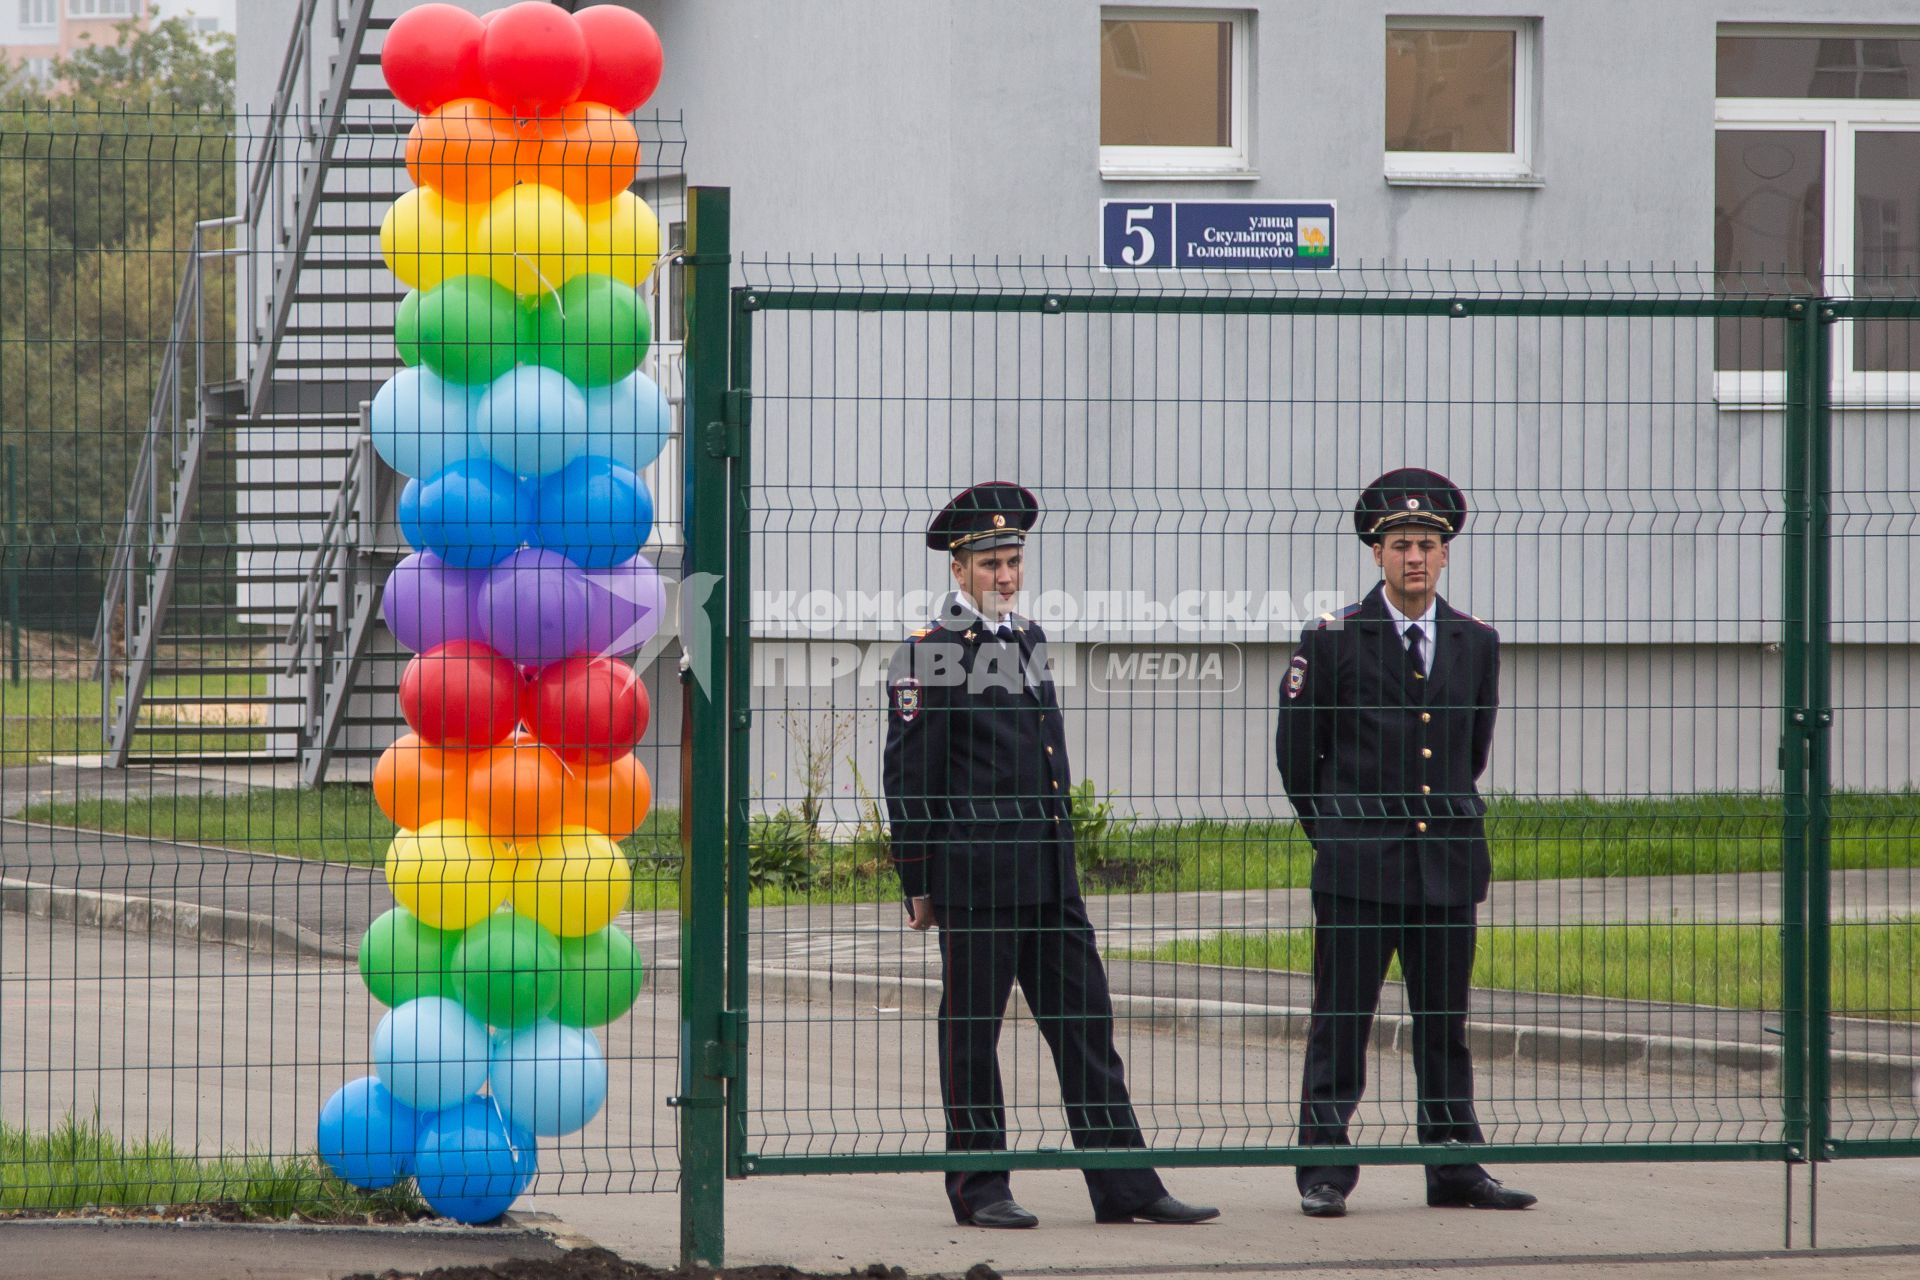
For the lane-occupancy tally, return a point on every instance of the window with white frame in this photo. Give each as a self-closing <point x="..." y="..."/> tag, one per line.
<point x="38" y="70"/>
<point x="1460" y="101"/>
<point x="39" y="13"/>
<point x="1817" y="189"/>
<point x="100" y="8"/>
<point x="1174" y="92"/>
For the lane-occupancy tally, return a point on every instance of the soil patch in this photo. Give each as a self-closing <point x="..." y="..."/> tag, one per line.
<point x="602" y="1264"/>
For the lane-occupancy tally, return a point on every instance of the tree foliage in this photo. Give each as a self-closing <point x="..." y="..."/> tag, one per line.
<point x="101" y="181"/>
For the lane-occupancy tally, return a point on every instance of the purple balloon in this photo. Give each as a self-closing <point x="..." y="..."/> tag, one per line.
<point x="429" y="602"/>
<point x="625" y="607"/>
<point x="533" y="607"/>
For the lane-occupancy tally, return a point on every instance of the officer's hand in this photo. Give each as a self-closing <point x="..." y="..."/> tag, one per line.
<point x="920" y="916"/>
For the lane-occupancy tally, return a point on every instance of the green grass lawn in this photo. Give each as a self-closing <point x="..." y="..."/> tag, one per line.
<point x="41" y="718"/>
<point x="80" y="1165"/>
<point x="1729" y="965"/>
<point x="1532" y="839"/>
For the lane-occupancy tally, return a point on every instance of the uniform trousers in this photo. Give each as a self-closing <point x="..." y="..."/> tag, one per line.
<point x="1048" y="948"/>
<point x="1353" y="942"/>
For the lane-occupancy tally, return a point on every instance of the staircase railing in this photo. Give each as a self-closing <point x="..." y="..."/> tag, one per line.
<point x="147" y="550"/>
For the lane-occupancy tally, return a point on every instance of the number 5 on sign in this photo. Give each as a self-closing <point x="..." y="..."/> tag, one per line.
<point x="1136" y="234"/>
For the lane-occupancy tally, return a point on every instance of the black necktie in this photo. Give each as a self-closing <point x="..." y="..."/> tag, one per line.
<point x="1414" y="635"/>
<point x="1004" y="631"/>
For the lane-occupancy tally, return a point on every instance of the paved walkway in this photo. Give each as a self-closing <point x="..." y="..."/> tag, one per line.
<point x="234" y="1051"/>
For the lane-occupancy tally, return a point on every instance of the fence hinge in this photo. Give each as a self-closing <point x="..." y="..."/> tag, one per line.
<point x="733" y="1044"/>
<point x="1809" y="720"/>
<point x="727" y="437"/>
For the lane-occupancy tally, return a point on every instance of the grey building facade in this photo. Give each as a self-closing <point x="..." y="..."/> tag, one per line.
<point x="1624" y="474"/>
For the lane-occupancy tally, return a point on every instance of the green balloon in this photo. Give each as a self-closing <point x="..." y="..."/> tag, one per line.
<point x="600" y="977"/>
<point x="402" y="959"/>
<point x="406" y="329"/>
<point x="471" y="329"/>
<point x="507" y="970"/>
<point x="594" y="330"/>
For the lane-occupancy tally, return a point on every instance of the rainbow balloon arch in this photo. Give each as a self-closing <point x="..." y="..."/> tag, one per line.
<point x="523" y="421"/>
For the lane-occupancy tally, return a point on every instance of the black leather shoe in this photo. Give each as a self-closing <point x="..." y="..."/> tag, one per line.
<point x="1484" y="1194"/>
<point x="1167" y="1209"/>
<point x="1001" y="1215"/>
<point x="1323" y="1202"/>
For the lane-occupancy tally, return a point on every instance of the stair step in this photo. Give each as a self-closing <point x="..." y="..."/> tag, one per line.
<point x="323" y="263"/>
<point x="376" y="128"/>
<point x="266" y="666"/>
<point x="338" y="362"/>
<point x="367" y="162"/>
<point x="282" y="455"/>
<point x="188" y="700"/>
<point x="329" y="295"/>
<point x="363" y="197"/>
<point x="370" y="94"/>
<point x="231" y="730"/>
<point x="338" y="331"/>
<point x="260" y="486"/>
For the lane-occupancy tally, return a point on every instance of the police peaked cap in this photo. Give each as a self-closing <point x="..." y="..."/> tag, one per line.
<point x="1410" y="496"/>
<point x="995" y="514"/>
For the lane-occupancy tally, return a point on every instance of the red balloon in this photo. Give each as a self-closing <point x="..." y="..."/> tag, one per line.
<point x="590" y="710"/>
<point x="432" y="56"/>
<point x="625" y="58"/>
<point x="534" y="58"/>
<point x="462" y="695"/>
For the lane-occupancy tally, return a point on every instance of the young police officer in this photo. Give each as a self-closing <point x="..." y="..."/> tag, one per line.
<point x="976" y="780"/>
<point x="1386" y="722"/>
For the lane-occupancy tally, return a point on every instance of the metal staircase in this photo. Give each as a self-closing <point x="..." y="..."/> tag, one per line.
<point x="312" y="505"/>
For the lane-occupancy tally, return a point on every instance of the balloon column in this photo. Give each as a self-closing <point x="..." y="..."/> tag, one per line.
<point x="524" y="421"/>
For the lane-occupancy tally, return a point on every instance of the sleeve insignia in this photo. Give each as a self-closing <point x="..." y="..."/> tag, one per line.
<point x="1296" y="676"/>
<point x="906" y="699"/>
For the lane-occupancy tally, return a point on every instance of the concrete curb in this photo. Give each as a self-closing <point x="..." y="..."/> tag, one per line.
<point x="167" y="917"/>
<point x="1879" y="1075"/>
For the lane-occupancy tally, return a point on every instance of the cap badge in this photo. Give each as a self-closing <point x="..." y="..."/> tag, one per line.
<point x="999" y="522"/>
<point x="1413" y="504"/>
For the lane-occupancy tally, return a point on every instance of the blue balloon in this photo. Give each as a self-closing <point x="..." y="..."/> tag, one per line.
<point x="431" y="1052"/>
<point x="593" y="511"/>
<point x="532" y="420"/>
<point x="471" y="514"/>
<point x="367" y="1135"/>
<point x="472" y="1164"/>
<point x="421" y="423"/>
<point x="628" y="421"/>
<point x="550" y="1079"/>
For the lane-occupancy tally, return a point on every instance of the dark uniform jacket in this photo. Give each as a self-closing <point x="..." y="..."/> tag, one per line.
<point x="975" y="768"/>
<point x="1381" y="764"/>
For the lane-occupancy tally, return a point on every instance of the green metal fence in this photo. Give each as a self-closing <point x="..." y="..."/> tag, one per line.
<point x="1699" y="940"/>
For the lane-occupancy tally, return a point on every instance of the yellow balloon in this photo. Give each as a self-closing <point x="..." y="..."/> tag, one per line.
<point x="623" y="239"/>
<point x="449" y="873"/>
<point x="573" y="881"/>
<point x="531" y="239"/>
<point x="424" y="238"/>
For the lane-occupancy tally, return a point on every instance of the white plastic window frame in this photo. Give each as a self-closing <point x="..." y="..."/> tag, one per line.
<point x="1513" y="168"/>
<point x="38" y="15"/>
<point x="1839" y="121"/>
<point x="1174" y="163"/>
<point x="102" y="8"/>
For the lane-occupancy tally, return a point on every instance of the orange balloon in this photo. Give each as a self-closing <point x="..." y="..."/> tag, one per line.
<point x="466" y="150"/>
<point x="415" y="783"/>
<point x="588" y="151"/>
<point x="515" y="792"/>
<point x="612" y="798"/>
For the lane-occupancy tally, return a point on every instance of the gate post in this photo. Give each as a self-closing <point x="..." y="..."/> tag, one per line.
<point x="705" y="1053"/>
<point x="1793" y="736"/>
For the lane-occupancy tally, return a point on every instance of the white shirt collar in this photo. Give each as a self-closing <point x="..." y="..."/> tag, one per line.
<point x="962" y="601"/>
<point x="1401" y="621"/>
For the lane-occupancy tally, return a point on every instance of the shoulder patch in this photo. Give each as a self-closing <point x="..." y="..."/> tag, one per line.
<point x="921" y="634"/>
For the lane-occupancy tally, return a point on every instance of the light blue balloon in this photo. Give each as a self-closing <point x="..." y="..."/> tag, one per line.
<point x="472" y="1163"/>
<point x="628" y="421"/>
<point x="594" y="511"/>
<point x="367" y="1135"/>
<point x="431" y="1053"/>
<point x="420" y="422"/>
<point x="532" y="421"/>
<point x="471" y="514"/>
<point x="550" y="1079"/>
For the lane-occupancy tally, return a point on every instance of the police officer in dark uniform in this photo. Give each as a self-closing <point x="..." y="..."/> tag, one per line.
<point x="1386" y="723"/>
<point x="976" y="780"/>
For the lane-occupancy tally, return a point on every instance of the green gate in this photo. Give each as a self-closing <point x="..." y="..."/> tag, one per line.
<point x="1651" y="466"/>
